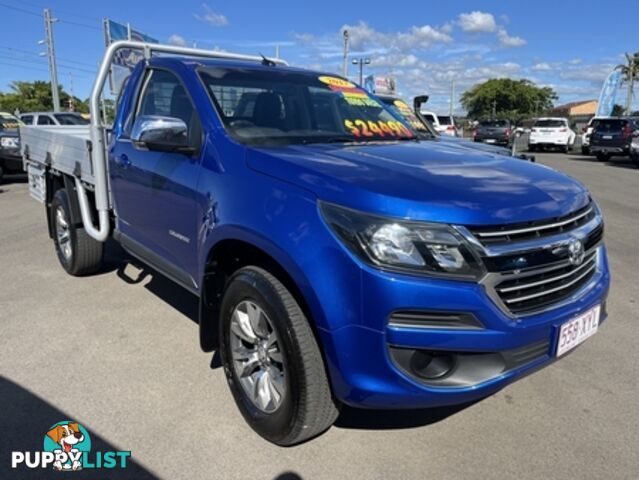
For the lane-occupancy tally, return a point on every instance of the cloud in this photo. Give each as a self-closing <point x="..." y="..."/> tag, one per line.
<point x="595" y="74"/>
<point x="508" y="41"/>
<point x="212" y="18"/>
<point x="477" y="22"/>
<point x="540" y="67"/>
<point x="304" y="38"/>
<point x="362" y="36"/>
<point x="178" y="40"/>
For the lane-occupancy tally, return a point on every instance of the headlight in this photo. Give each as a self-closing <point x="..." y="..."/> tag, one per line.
<point x="9" y="142"/>
<point x="428" y="248"/>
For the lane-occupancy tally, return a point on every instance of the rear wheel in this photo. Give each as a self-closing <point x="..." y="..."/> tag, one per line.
<point x="603" y="157"/>
<point x="585" y="151"/>
<point x="532" y="148"/>
<point x="635" y="159"/>
<point x="78" y="253"/>
<point x="272" y="362"/>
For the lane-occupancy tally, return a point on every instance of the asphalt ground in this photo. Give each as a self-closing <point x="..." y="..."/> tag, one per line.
<point x="118" y="352"/>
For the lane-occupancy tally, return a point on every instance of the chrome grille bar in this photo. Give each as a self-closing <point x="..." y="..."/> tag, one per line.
<point x="551" y="290"/>
<point x="538" y="228"/>
<point x="549" y="280"/>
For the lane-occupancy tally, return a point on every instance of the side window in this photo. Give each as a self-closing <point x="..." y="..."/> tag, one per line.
<point x="27" y="119"/>
<point x="45" y="120"/>
<point x="164" y="95"/>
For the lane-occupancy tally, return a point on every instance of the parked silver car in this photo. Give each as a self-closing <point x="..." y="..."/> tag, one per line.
<point x="53" y="118"/>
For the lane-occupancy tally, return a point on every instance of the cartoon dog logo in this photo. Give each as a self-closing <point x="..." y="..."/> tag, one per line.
<point x="67" y="436"/>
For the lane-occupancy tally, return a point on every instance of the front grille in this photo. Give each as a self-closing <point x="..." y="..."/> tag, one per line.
<point x="533" y="230"/>
<point x="543" y="287"/>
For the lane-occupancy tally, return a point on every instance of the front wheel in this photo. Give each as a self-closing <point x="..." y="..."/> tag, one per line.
<point x="272" y="362"/>
<point x="78" y="253"/>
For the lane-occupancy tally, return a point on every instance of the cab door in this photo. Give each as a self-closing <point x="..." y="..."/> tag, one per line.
<point x="154" y="192"/>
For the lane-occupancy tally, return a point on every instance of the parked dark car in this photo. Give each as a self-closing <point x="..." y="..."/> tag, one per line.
<point x="613" y="136"/>
<point x="10" y="158"/>
<point x="493" y="131"/>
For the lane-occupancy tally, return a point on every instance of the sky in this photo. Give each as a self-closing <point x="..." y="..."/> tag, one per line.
<point x="568" y="45"/>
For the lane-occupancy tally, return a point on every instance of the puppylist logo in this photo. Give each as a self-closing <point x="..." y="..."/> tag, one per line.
<point x="67" y="448"/>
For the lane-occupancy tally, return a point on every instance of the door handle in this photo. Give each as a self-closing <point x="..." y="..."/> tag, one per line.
<point x="122" y="160"/>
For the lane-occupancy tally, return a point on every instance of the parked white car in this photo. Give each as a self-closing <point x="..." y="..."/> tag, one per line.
<point x="444" y="124"/>
<point x="551" y="132"/>
<point x="585" y="135"/>
<point x="53" y="118"/>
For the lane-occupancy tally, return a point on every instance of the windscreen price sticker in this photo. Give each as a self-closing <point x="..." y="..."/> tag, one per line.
<point x="361" y="128"/>
<point x="577" y="330"/>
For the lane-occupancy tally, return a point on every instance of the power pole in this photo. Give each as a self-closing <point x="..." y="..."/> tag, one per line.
<point x="71" y="95"/>
<point x="452" y="97"/>
<point x="53" y="69"/>
<point x="345" y="65"/>
<point x="494" y="108"/>
<point x="277" y="51"/>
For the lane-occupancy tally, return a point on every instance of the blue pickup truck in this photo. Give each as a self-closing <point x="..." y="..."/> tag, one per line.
<point x="337" y="258"/>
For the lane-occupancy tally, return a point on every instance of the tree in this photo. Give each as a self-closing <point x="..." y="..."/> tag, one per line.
<point x="507" y="98"/>
<point x="629" y="72"/>
<point x="36" y="96"/>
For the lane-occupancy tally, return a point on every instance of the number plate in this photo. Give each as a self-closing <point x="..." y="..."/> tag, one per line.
<point x="490" y="140"/>
<point x="607" y="137"/>
<point x="37" y="183"/>
<point x="577" y="330"/>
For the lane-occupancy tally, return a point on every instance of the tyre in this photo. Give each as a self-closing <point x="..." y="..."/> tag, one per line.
<point x="272" y="362"/>
<point x="585" y="150"/>
<point x="532" y="148"/>
<point x="635" y="160"/>
<point x="566" y="149"/>
<point x="603" y="157"/>
<point x="78" y="253"/>
<point x="1" y="173"/>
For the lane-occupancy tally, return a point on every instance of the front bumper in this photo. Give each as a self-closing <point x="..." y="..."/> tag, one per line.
<point x="550" y="140"/>
<point x="494" y="140"/>
<point x="622" y="150"/>
<point x="10" y="158"/>
<point x="366" y="373"/>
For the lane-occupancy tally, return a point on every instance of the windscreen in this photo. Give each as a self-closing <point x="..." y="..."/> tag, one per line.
<point x="7" y="122"/>
<point x="444" y="120"/>
<point x="428" y="116"/>
<point x="610" y="125"/>
<point x="401" y="108"/>
<point x="70" y="119"/>
<point x="271" y="106"/>
<point x="550" y="123"/>
<point x="494" y="123"/>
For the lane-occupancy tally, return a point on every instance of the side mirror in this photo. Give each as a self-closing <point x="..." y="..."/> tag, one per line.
<point x="162" y="134"/>
<point x="418" y="101"/>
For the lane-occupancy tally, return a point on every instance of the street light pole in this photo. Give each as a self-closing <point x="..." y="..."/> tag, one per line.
<point x="53" y="69"/>
<point x="345" y="65"/>
<point x="361" y="62"/>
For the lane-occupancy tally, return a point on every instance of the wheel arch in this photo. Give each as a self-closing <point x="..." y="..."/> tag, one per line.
<point x="239" y="248"/>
